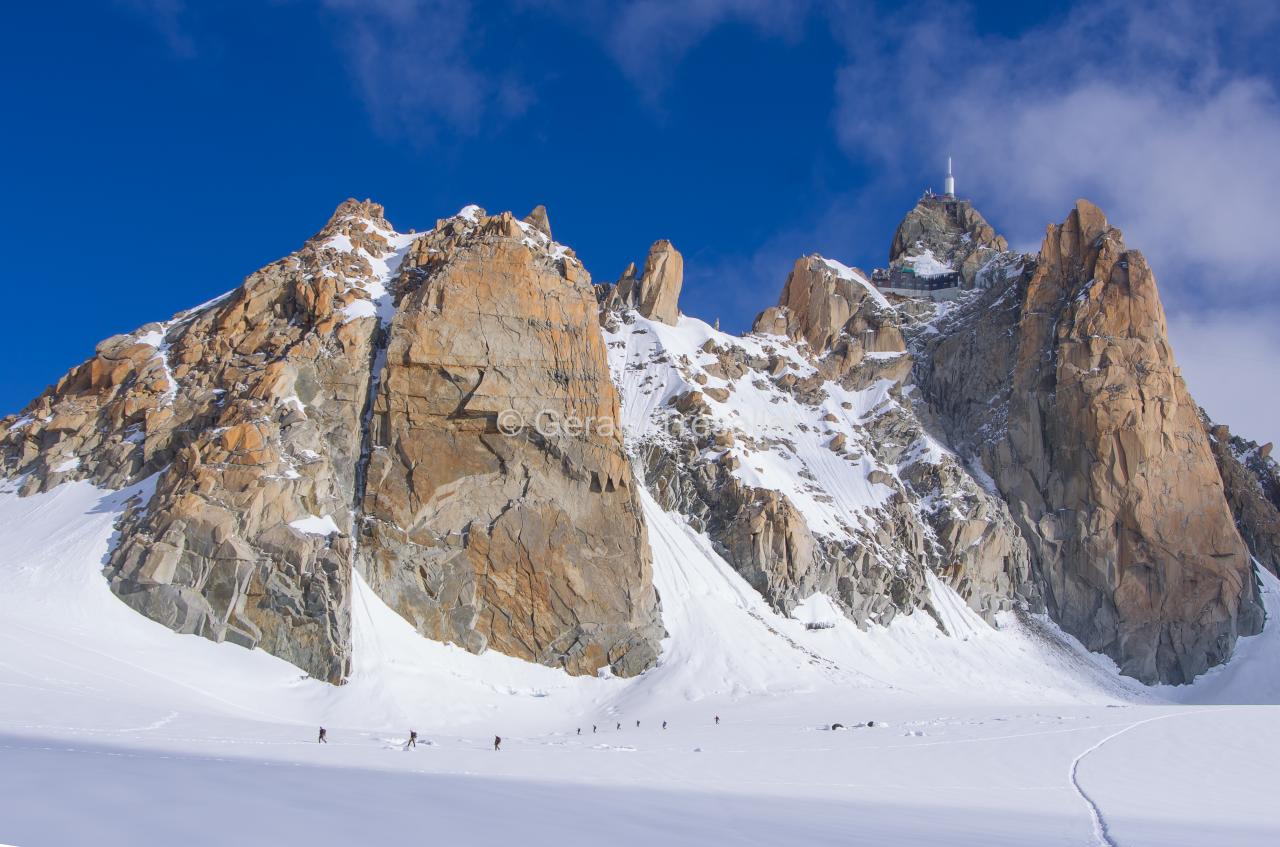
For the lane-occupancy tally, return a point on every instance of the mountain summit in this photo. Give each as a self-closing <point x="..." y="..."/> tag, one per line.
<point x="1064" y="385"/>
<point x="461" y="421"/>
<point x="337" y="415"/>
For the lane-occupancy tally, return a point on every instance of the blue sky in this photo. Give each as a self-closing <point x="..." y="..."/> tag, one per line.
<point x="157" y="151"/>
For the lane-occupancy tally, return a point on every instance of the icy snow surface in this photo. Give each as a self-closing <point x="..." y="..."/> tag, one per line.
<point x="116" y="731"/>
<point x="830" y="490"/>
<point x="316" y="525"/>
<point x="846" y="272"/>
<point x="927" y="265"/>
<point x="380" y="302"/>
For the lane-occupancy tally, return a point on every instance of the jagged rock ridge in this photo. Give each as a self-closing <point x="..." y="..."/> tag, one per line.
<point x="1252" y="482"/>
<point x="1063" y="383"/>
<point x="656" y="292"/>
<point x="260" y="413"/>
<point x="363" y="410"/>
<point x="797" y="450"/>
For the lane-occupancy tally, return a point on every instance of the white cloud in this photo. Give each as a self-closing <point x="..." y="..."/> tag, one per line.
<point x="1130" y="105"/>
<point x="1165" y="115"/>
<point x="1188" y="176"/>
<point x="1228" y="359"/>
<point x="648" y="39"/>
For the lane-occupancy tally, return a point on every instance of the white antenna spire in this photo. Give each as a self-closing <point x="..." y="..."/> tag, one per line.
<point x="950" y="184"/>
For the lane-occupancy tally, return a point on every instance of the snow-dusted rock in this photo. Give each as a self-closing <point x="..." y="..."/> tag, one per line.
<point x="798" y="451"/>
<point x="265" y="413"/>
<point x="349" y="409"/>
<point x="941" y="235"/>
<point x="656" y="293"/>
<point x="1063" y="382"/>
<point x="1251" y="480"/>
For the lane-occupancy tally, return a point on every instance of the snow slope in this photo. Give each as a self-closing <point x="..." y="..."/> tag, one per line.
<point x="753" y="728"/>
<point x="653" y="362"/>
<point x="114" y="730"/>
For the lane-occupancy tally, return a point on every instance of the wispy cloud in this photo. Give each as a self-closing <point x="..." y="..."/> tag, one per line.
<point x="415" y="64"/>
<point x="168" y="19"/>
<point x="648" y="38"/>
<point x="1163" y="114"/>
<point x="1137" y="106"/>
<point x="1228" y="358"/>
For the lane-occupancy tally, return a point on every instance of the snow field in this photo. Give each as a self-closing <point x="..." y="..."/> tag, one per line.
<point x="114" y="730"/>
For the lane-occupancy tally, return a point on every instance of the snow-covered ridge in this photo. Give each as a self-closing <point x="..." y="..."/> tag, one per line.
<point x="316" y="525"/>
<point x="532" y="237"/>
<point x="822" y="453"/>
<point x="846" y="272"/>
<point x="780" y="443"/>
<point x="376" y="299"/>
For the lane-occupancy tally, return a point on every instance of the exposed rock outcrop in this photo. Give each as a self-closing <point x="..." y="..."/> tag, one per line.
<point x="1251" y="479"/>
<point x="843" y="318"/>
<point x="660" y="284"/>
<point x="248" y="411"/>
<point x="656" y="294"/>
<point x="263" y="414"/>
<point x="950" y="231"/>
<point x="538" y="220"/>
<point x="905" y="508"/>
<point x="816" y="303"/>
<point x="528" y="541"/>
<point x="1097" y="446"/>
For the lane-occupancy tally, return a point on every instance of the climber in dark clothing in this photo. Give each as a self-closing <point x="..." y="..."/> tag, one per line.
<point x="593" y="729"/>
<point x="579" y="730"/>
<point x="322" y="739"/>
<point x="619" y="724"/>
<point x="637" y="724"/>
<point x="413" y="739"/>
<point x="497" y="742"/>
<point x="664" y="724"/>
<point x="717" y="720"/>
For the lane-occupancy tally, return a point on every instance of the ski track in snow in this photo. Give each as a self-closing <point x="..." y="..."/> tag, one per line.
<point x="113" y="696"/>
<point x="1101" y="832"/>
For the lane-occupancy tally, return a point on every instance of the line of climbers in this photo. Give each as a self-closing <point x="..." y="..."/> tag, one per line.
<point x="497" y="739"/>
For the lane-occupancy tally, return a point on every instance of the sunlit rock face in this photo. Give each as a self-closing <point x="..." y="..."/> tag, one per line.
<point x="368" y="355"/>
<point x="1066" y="386"/>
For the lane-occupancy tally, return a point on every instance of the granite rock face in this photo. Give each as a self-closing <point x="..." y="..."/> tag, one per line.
<point x="836" y="311"/>
<point x="257" y="420"/>
<point x="245" y="416"/>
<point x="799" y="451"/>
<point x="952" y="232"/>
<point x="530" y="541"/>
<point x="1063" y="382"/>
<point x="456" y="420"/>
<point x="1251" y="479"/>
<point x="656" y="293"/>
<point x="538" y="220"/>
